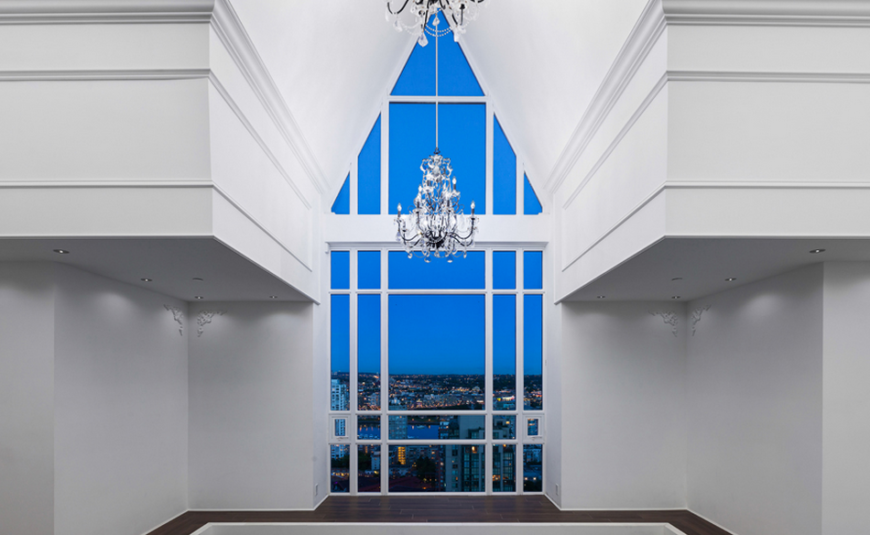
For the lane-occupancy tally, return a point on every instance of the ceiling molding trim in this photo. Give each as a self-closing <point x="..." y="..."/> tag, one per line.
<point x="219" y="87"/>
<point x="232" y="34"/>
<point x="658" y="14"/>
<point x="768" y="12"/>
<point x="641" y="40"/>
<point x="104" y="11"/>
<point x="103" y="75"/>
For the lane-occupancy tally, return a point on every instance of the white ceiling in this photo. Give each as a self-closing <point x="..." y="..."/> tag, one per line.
<point x="542" y="61"/>
<point x="171" y="263"/>
<point x="333" y="61"/>
<point x="702" y="266"/>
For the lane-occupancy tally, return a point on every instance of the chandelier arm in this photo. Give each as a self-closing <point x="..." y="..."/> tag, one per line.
<point x="389" y="7"/>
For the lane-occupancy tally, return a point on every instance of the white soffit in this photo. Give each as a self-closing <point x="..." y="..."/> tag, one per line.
<point x="333" y="61"/>
<point x="543" y="62"/>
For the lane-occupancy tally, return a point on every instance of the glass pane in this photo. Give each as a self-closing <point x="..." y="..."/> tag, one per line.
<point x="340" y="270"/>
<point x="368" y="427"/>
<point x="533" y="352"/>
<point x="369" y="270"/>
<point x="504" y="174"/>
<point x="533" y="270"/>
<point x="340" y="427"/>
<point x="462" y="140"/>
<point x="533" y="468"/>
<point x="417" y="468"/>
<point x="504" y="352"/>
<point x="452" y="468"/>
<point x="504" y="427"/>
<point x="455" y="76"/>
<point x="504" y="468"/>
<point x="340" y="352"/>
<point x="369" y="466"/>
<point x="533" y="427"/>
<point x="369" y="352"/>
<point x="437" y="427"/>
<point x="340" y="468"/>
<point x="435" y="372"/>
<point x="342" y="201"/>
<point x="466" y="468"/>
<point x="414" y="273"/>
<point x="531" y="204"/>
<point x="369" y="173"/>
<point x="504" y="270"/>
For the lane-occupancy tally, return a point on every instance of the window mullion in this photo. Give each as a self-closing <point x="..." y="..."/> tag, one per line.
<point x="385" y="363"/>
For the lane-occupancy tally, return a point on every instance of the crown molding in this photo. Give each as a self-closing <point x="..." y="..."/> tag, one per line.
<point x="104" y="11"/>
<point x="658" y="14"/>
<point x="232" y="34"/>
<point x="768" y="12"/>
<point x="641" y="40"/>
<point x="223" y="19"/>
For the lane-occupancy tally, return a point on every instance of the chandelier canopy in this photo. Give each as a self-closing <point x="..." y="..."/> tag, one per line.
<point x="457" y="12"/>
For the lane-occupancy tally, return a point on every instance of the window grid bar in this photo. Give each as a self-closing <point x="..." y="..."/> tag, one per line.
<point x="385" y="442"/>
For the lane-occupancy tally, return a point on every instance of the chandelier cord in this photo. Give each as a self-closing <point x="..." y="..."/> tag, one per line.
<point x="436" y="85"/>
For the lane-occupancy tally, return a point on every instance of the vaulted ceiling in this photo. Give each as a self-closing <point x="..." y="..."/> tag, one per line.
<point x="541" y="61"/>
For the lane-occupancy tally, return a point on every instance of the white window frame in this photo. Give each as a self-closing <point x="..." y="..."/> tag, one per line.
<point x="488" y="442"/>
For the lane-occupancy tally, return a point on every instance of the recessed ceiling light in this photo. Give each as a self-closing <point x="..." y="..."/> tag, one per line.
<point x="145" y="279"/>
<point x="61" y="251"/>
<point x="677" y="279"/>
<point x="198" y="297"/>
<point x="817" y="251"/>
<point x="601" y="296"/>
<point x="273" y="297"/>
<point x="731" y="279"/>
<point x="199" y="279"/>
<point x="676" y="297"/>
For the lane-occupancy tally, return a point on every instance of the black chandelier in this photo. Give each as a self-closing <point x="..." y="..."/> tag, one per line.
<point x="458" y="13"/>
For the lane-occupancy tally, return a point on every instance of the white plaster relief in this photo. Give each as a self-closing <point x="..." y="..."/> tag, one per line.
<point x="670" y="318"/>
<point x="204" y="318"/>
<point x="696" y="316"/>
<point x="178" y="316"/>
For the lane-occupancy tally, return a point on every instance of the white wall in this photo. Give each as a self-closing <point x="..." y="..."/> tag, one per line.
<point x="26" y="398"/>
<point x="846" y="405"/>
<point x="251" y="407"/>
<point x="120" y="407"/>
<point x="755" y="407"/>
<point x="623" y="406"/>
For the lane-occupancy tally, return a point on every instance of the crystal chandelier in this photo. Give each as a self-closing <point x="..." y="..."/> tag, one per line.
<point x="437" y="225"/>
<point x="460" y="12"/>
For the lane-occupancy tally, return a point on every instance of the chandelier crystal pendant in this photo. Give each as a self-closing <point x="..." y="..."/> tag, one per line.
<point x="459" y="12"/>
<point x="437" y="225"/>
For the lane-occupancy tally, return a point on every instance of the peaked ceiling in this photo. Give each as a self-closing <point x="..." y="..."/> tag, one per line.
<point x="541" y="61"/>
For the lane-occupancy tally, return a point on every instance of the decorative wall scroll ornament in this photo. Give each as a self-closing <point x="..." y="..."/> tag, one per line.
<point x="696" y="316"/>
<point x="178" y="316"/>
<point x="418" y="12"/>
<point x="204" y="318"/>
<point x="670" y="318"/>
<point x="437" y="225"/>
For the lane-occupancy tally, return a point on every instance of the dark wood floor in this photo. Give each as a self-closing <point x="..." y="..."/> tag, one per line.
<point x="440" y="509"/>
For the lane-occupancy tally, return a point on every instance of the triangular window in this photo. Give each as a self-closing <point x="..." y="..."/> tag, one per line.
<point x="532" y="205"/>
<point x="342" y="201"/>
<point x="455" y="77"/>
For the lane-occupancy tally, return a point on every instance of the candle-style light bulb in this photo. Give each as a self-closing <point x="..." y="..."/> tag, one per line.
<point x="400" y="208"/>
<point x="472" y="207"/>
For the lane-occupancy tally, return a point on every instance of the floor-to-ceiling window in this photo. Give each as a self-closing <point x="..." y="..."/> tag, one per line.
<point x="436" y="367"/>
